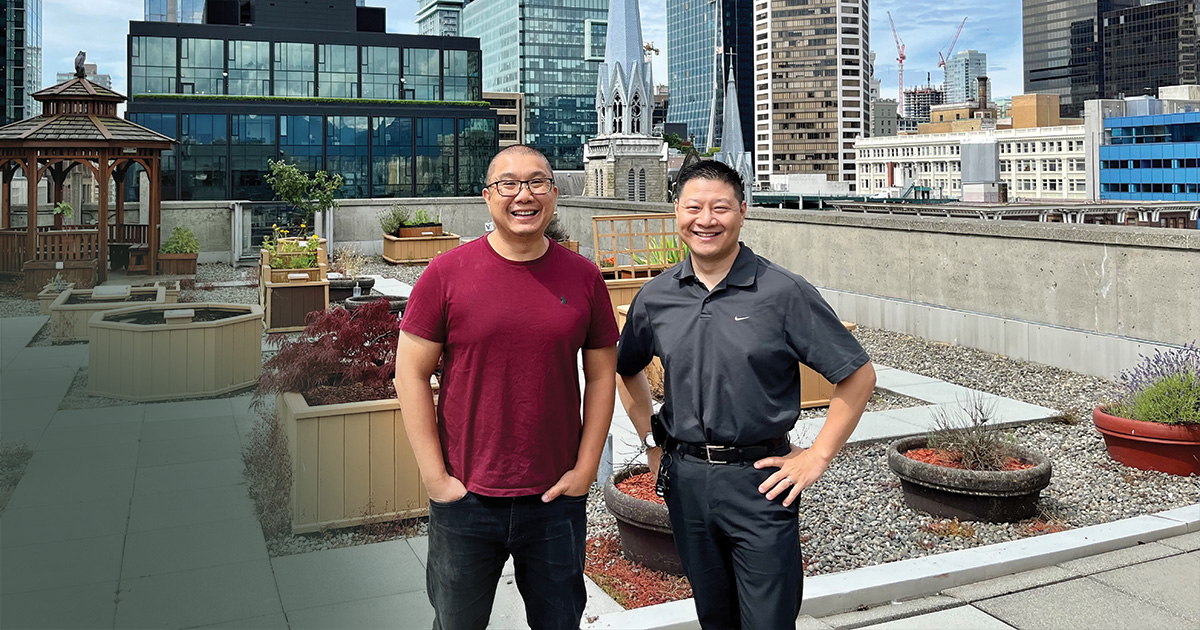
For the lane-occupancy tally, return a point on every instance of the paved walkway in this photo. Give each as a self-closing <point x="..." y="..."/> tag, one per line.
<point x="137" y="517"/>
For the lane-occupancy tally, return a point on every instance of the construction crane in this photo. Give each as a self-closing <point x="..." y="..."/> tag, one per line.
<point x="943" y="58"/>
<point x="900" y="58"/>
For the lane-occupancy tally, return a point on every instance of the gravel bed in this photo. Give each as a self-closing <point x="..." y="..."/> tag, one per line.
<point x="16" y="306"/>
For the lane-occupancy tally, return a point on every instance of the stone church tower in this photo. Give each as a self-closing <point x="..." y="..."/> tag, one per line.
<point x="624" y="161"/>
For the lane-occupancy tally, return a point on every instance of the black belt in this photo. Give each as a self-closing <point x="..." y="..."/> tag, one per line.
<point x="719" y="454"/>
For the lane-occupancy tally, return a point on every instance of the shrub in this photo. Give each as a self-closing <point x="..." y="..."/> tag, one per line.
<point x="556" y="231"/>
<point x="1163" y="387"/>
<point x="182" y="241"/>
<point x="394" y="218"/>
<point x="308" y="194"/>
<point x="967" y="432"/>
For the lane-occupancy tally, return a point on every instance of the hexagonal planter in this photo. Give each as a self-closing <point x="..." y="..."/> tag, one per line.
<point x="142" y="353"/>
<point x="72" y="309"/>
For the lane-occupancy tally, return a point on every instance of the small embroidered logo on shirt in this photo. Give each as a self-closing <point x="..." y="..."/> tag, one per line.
<point x="738" y="319"/>
<point x="564" y="299"/>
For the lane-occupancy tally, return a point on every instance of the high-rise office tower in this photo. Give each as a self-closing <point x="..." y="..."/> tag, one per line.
<point x="21" y="72"/>
<point x="1149" y="47"/>
<point x="963" y="70"/>
<point x="812" y="87"/>
<point x="1063" y="43"/>
<point x="439" y="17"/>
<point x="548" y="50"/>
<point x="103" y="80"/>
<point x="705" y="39"/>
<point x="186" y="11"/>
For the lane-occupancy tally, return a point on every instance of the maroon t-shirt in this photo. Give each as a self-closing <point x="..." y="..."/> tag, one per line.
<point x="509" y="407"/>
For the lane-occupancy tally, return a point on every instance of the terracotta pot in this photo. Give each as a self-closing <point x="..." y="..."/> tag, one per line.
<point x="644" y="526"/>
<point x="996" y="496"/>
<point x="1169" y="448"/>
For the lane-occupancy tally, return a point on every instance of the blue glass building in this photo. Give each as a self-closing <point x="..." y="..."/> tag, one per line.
<point x="323" y="87"/>
<point x="21" y="70"/>
<point x="1151" y="158"/>
<point x="549" y="50"/>
<point x="188" y="11"/>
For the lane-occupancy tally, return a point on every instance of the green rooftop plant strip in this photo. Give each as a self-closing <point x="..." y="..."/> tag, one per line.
<point x="309" y="99"/>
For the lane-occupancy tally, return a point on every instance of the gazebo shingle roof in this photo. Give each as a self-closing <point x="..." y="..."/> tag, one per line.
<point x="88" y="125"/>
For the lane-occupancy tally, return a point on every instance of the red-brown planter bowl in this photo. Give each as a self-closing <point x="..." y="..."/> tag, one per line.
<point x="644" y="526"/>
<point x="1169" y="448"/>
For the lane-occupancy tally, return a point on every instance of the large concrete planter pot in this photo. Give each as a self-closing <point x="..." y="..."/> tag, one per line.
<point x="1169" y="448"/>
<point x="972" y="495"/>
<point x="645" y="527"/>
<point x="351" y="463"/>
<point x="159" y="352"/>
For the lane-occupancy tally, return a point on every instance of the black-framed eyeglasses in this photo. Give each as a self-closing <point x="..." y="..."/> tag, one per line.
<point x="512" y="187"/>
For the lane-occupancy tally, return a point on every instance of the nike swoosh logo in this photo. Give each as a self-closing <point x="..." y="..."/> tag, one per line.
<point x="738" y="319"/>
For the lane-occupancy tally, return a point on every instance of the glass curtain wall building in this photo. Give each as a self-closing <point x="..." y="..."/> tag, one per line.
<point x="706" y="38"/>
<point x="187" y="11"/>
<point x="395" y="115"/>
<point x="21" y="72"/>
<point x="1152" y="158"/>
<point x="1151" y="46"/>
<point x="549" y="50"/>
<point x="962" y="75"/>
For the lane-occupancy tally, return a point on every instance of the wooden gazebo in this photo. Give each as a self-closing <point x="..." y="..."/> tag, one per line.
<point x="78" y="126"/>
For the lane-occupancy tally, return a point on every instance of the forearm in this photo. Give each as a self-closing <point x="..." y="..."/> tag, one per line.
<point x="637" y="400"/>
<point x="420" y="423"/>
<point x="598" y="401"/>
<point x="846" y="407"/>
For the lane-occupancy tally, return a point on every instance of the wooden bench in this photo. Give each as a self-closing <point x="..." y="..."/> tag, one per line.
<point x="139" y="258"/>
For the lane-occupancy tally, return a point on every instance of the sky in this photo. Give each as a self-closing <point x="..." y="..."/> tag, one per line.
<point x="993" y="27"/>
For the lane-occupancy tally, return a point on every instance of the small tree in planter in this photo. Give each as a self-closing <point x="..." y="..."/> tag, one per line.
<point x="966" y="468"/>
<point x="337" y="417"/>
<point x="178" y="254"/>
<point x="308" y="194"/>
<point x="1155" y="423"/>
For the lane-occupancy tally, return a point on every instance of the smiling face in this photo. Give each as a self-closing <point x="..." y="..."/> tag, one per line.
<point x="525" y="216"/>
<point x="710" y="217"/>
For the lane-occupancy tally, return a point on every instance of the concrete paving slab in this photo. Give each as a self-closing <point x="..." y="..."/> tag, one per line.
<point x="70" y="485"/>
<point x="61" y="564"/>
<point x="402" y="611"/>
<point x="1162" y="582"/>
<point x="805" y="622"/>
<point x="277" y="621"/>
<point x="342" y="575"/>
<point x="198" y="597"/>
<point x="1082" y="604"/>
<point x="97" y="416"/>
<point x="1186" y="542"/>
<point x="191" y="476"/>
<point x="1188" y="515"/>
<point x="892" y="379"/>
<point x="888" y="612"/>
<point x="392" y="287"/>
<point x="49" y="383"/>
<point x="202" y="448"/>
<point x="189" y="409"/>
<point x="54" y="522"/>
<point x="1009" y="411"/>
<point x="21" y="329"/>
<point x="960" y="618"/>
<point x="40" y="358"/>
<point x="1119" y="558"/>
<point x="26" y="414"/>
<point x="189" y="507"/>
<point x="189" y="428"/>
<point x="1014" y="583"/>
<point x="106" y="457"/>
<point x="90" y="435"/>
<point x="91" y="606"/>
<point x="28" y="438"/>
<point x="420" y="547"/>
<point x="873" y="427"/>
<point x="939" y="392"/>
<point x="190" y="547"/>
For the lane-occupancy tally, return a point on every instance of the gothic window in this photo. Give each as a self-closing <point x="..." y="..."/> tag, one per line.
<point x="642" y="185"/>
<point x="635" y="113"/>
<point x="618" y="114"/>
<point x="599" y="183"/>
<point x="629" y="189"/>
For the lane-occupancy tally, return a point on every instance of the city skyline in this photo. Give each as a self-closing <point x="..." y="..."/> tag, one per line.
<point x="99" y="27"/>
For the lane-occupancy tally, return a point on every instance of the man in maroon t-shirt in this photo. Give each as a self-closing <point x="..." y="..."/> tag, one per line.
<point x="506" y="458"/>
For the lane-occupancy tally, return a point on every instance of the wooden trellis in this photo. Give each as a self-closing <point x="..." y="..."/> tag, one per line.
<point x="636" y="245"/>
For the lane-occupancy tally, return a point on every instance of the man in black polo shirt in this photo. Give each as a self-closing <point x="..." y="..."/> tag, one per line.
<point x="731" y="329"/>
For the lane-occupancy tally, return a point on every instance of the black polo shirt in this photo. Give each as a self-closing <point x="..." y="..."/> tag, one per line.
<point x="732" y="355"/>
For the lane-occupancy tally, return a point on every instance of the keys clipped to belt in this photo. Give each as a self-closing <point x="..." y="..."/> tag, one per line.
<point x="662" y="484"/>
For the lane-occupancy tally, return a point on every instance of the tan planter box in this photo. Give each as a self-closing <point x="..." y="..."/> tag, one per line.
<point x="172" y="291"/>
<point x="282" y="276"/>
<point x="655" y="374"/>
<point x="147" y="362"/>
<point x="177" y="264"/>
<point x="421" y="249"/>
<point x="427" y="230"/>
<point x="322" y="253"/>
<point x="623" y="291"/>
<point x="286" y="304"/>
<point x="69" y="322"/>
<point x="47" y="296"/>
<point x="571" y="245"/>
<point x="351" y="463"/>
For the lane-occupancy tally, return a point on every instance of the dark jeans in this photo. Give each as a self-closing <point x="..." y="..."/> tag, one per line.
<point x="740" y="551"/>
<point x="470" y="540"/>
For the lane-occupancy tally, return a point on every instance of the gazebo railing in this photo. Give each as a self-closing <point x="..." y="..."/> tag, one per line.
<point x="68" y="245"/>
<point x="12" y="250"/>
<point x="129" y="233"/>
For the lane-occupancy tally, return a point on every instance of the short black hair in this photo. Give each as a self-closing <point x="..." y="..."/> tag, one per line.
<point x="515" y="148"/>
<point x="711" y="169"/>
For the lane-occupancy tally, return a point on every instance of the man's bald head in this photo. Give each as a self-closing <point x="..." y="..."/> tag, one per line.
<point x="516" y="149"/>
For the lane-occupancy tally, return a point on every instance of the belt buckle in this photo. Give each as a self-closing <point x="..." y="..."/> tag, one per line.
<point x="709" y="449"/>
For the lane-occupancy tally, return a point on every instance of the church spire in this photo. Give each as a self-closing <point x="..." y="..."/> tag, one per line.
<point x="623" y="43"/>
<point x="733" y="141"/>
<point x="624" y="99"/>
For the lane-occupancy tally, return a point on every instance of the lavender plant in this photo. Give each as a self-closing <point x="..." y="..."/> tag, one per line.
<point x="1163" y="387"/>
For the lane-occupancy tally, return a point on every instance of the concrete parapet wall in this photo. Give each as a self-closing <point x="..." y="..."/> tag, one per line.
<point x="211" y="222"/>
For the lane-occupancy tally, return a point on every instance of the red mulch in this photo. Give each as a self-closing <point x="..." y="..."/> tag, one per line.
<point x="1039" y="526"/>
<point x="641" y="487"/>
<point x="953" y="459"/>
<point x="630" y="584"/>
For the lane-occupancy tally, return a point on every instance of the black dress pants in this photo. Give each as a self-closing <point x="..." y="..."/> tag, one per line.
<point x="740" y="551"/>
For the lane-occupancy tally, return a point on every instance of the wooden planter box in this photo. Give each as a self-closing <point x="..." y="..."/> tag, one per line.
<point x="351" y="463"/>
<point x="322" y="253"/>
<point x="655" y="374"/>
<point x="425" y="230"/>
<point x="571" y="245"/>
<point x="69" y="322"/>
<point x="281" y="276"/>
<point x="287" y="304"/>
<point x="172" y="291"/>
<point x="177" y="264"/>
<point x="167" y="361"/>
<point x="40" y="272"/>
<point x="621" y="292"/>
<point x="420" y="249"/>
<point x="47" y="296"/>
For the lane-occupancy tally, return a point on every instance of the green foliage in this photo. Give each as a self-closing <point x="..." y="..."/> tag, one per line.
<point x="665" y="251"/>
<point x="711" y="152"/>
<point x="422" y="217"/>
<point x="1173" y="399"/>
<point x="64" y="208"/>
<point x="308" y="194"/>
<point x="182" y="241"/>
<point x="967" y="431"/>
<point x="307" y="99"/>
<point x="394" y="218"/>
<point x="294" y="253"/>
<point x="674" y="141"/>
